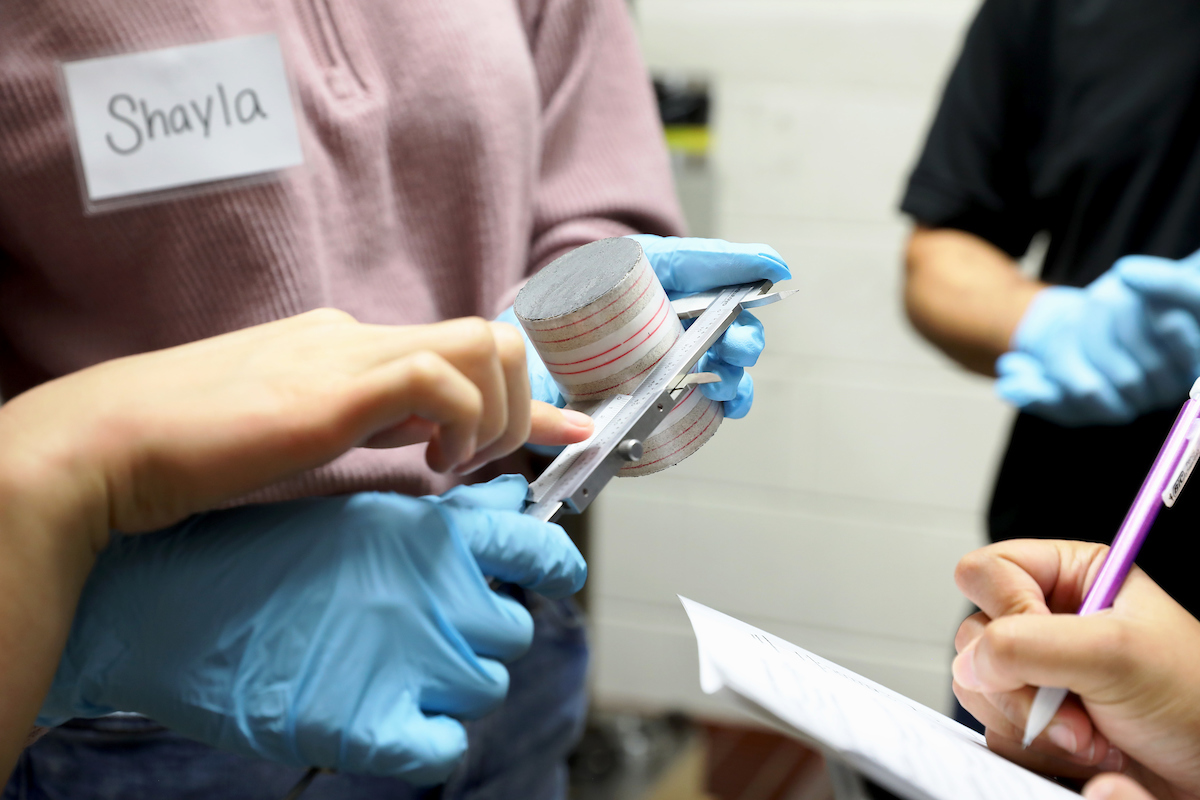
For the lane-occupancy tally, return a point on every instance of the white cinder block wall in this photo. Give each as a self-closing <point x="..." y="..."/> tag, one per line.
<point x="835" y="513"/>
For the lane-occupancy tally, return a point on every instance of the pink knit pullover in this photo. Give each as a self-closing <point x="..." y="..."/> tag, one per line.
<point x="451" y="148"/>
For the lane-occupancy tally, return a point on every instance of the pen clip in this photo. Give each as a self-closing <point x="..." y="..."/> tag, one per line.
<point x="1187" y="462"/>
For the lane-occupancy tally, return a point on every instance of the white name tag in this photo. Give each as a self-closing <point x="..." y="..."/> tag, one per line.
<point x="182" y="116"/>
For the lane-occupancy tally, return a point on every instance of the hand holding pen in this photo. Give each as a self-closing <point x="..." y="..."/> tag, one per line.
<point x="1134" y="669"/>
<point x="1170" y="471"/>
<point x="1134" y="705"/>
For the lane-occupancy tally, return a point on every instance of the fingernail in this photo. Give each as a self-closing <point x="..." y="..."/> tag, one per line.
<point x="964" y="670"/>
<point x="1063" y="737"/>
<point x="1114" y="761"/>
<point x="577" y="418"/>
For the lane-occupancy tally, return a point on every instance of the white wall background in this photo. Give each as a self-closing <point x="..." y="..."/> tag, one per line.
<point x="835" y="513"/>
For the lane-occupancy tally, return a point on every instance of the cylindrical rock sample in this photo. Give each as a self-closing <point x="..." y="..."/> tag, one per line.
<point x="600" y="320"/>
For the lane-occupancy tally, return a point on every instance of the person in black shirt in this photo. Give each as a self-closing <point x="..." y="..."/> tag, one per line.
<point x="1080" y="119"/>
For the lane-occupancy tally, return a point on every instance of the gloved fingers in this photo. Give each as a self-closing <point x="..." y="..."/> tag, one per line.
<point x="1038" y="401"/>
<point x="1121" y="371"/>
<point x="697" y="265"/>
<point x="500" y="635"/>
<point x="370" y="695"/>
<point x="1161" y="375"/>
<point x="1053" y="311"/>
<point x="511" y="546"/>
<point x="505" y="493"/>
<point x="467" y="632"/>
<point x="470" y="699"/>
<point x="398" y="740"/>
<point x="1089" y="396"/>
<point x="492" y="625"/>
<point x="1162" y="281"/>
<point x="1179" y="333"/>
<point x="1119" y="342"/>
<point x="739" y="406"/>
<point x="520" y="549"/>
<point x="1021" y="382"/>
<point x="438" y="745"/>
<point x="742" y="343"/>
<point x="730" y="377"/>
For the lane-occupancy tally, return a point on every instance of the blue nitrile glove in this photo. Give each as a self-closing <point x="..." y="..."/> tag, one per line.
<point x="1091" y="356"/>
<point x="686" y="266"/>
<point x="1172" y="290"/>
<point x="348" y="633"/>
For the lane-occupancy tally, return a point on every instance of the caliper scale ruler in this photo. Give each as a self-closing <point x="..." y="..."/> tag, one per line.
<point x="574" y="480"/>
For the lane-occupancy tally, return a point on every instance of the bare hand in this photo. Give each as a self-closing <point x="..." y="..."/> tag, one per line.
<point x="1132" y="668"/>
<point x="158" y="436"/>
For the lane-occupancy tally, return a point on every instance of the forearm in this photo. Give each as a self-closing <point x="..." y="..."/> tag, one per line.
<point x="964" y="295"/>
<point x="46" y="552"/>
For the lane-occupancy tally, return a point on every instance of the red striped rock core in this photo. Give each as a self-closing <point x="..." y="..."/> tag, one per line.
<point x="605" y="346"/>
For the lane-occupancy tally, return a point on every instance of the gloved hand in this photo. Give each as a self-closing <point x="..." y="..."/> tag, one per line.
<point x="1094" y="355"/>
<point x="345" y="632"/>
<point x="688" y="265"/>
<point x="1172" y="290"/>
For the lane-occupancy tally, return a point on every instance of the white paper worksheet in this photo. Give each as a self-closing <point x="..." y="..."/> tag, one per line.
<point x="899" y="743"/>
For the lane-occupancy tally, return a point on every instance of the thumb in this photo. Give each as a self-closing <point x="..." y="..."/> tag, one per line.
<point x="1112" y="786"/>
<point x="692" y="264"/>
<point x="1161" y="280"/>
<point x="557" y="426"/>
<point x="509" y="545"/>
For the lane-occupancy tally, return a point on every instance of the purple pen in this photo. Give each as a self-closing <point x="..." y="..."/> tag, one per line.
<point x="1162" y="486"/>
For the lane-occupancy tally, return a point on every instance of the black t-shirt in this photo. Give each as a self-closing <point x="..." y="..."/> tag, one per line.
<point x="1080" y="118"/>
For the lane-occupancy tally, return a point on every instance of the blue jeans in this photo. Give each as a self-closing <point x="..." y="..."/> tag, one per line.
<point x="519" y="751"/>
